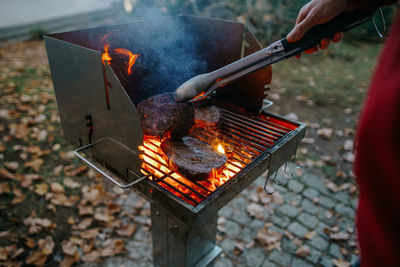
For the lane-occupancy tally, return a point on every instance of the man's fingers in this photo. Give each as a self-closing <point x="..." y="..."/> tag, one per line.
<point x="311" y="50"/>
<point x="337" y="37"/>
<point x="303" y="13"/>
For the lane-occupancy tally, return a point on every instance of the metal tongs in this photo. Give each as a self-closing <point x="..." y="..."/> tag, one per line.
<point x="202" y="86"/>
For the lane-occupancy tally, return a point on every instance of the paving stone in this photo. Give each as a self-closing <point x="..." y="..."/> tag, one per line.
<point x="281" y="221"/>
<point x="241" y="216"/>
<point x="226" y="211"/>
<point x="223" y="262"/>
<point x="289" y="210"/>
<point x="342" y="197"/>
<point x="295" y="186"/>
<point x="248" y="234"/>
<point x="308" y="220"/>
<point x="268" y="263"/>
<point x="228" y="245"/>
<point x="142" y="234"/>
<point x="326" y="261"/>
<point x="300" y="263"/>
<point x="291" y="197"/>
<point x="256" y="225"/>
<point x="334" y="250"/>
<point x="327" y="202"/>
<point x="319" y="243"/>
<point x="281" y="180"/>
<point x="240" y="203"/>
<point x="279" y="188"/>
<point x="354" y="203"/>
<point x="232" y="229"/>
<point x="331" y="221"/>
<point x="315" y="182"/>
<point x="141" y="219"/>
<point x="308" y="206"/>
<point x="121" y="261"/>
<point x="254" y="257"/>
<point x="287" y="245"/>
<point x="139" y="250"/>
<point x="344" y="210"/>
<point x="280" y="257"/>
<point x="297" y="229"/>
<point x="311" y="193"/>
<point x="320" y="229"/>
<point x="315" y="256"/>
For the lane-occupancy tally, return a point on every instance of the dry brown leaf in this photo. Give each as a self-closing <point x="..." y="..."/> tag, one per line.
<point x="341" y="263"/>
<point x="239" y="247"/>
<point x="56" y="188"/>
<point x="34" y="164"/>
<point x="69" y="247"/>
<point x="114" y="224"/>
<point x="18" y="199"/>
<point x="325" y="133"/>
<point x="68" y="182"/>
<point x="46" y="245"/>
<point x="85" y="210"/>
<point x="303" y="251"/>
<point x="103" y="214"/>
<point x="30" y="242"/>
<point x="113" y="208"/>
<point x="91" y="256"/>
<point x="4" y="233"/>
<point x="126" y="230"/>
<point x="4" y="188"/>
<point x="41" y="189"/>
<point x="269" y="239"/>
<point x="339" y="236"/>
<point x="86" y="248"/>
<point x="89" y="234"/>
<point x="310" y="235"/>
<point x="11" y="165"/>
<point x="6" y="174"/>
<point x="84" y="224"/>
<point x="6" y="251"/>
<point x="37" y="258"/>
<point x="349" y="157"/>
<point x="256" y="211"/>
<point x="332" y="186"/>
<point x="348" y="145"/>
<point x="69" y="260"/>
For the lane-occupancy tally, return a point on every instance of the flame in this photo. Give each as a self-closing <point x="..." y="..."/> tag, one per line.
<point x="132" y="57"/>
<point x="155" y="163"/>
<point x="105" y="56"/>
<point x="221" y="149"/>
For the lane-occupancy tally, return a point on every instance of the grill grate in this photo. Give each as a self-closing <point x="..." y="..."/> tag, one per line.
<point x="245" y="137"/>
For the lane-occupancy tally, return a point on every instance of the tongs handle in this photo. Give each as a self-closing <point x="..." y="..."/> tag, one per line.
<point x="341" y="23"/>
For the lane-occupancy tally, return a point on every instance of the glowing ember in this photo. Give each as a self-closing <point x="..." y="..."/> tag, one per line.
<point x="154" y="162"/>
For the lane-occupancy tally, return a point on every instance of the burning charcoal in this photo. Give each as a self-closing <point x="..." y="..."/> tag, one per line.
<point x="160" y="114"/>
<point x="192" y="158"/>
<point x="207" y="117"/>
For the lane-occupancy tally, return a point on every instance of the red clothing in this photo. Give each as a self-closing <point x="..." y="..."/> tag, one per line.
<point x="377" y="163"/>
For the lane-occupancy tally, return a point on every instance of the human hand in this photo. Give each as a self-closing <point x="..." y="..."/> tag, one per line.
<point x="318" y="12"/>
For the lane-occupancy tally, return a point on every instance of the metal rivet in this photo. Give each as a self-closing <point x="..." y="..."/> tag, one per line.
<point x="157" y="213"/>
<point x="176" y="226"/>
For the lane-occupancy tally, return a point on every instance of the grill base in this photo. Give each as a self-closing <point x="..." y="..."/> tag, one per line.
<point x="176" y="243"/>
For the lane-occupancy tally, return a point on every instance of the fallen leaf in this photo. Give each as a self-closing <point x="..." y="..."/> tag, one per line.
<point x="269" y="239"/>
<point x="349" y="157"/>
<point x="91" y="257"/>
<point x="341" y="263"/>
<point x="4" y="188"/>
<point x="126" y="230"/>
<point x="89" y="234"/>
<point x="69" y="260"/>
<point x="34" y="164"/>
<point x="303" y="251"/>
<point x="84" y="224"/>
<point x="68" y="182"/>
<point x="30" y="242"/>
<point x="4" y="233"/>
<point x="339" y="236"/>
<point x="6" y="174"/>
<point x="85" y="210"/>
<point x="37" y="258"/>
<point x="46" y="245"/>
<point x="56" y="188"/>
<point x="348" y="145"/>
<point x="6" y="251"/>
<point x="102" y="214"/>
<point x="256" y="211"/>
<point x="11" y="165"/>
<point x="325" y="133"/>
<point x="239" y="247"/>
<point x="69" y="247"/>
<point x="310" y="235"/>
<point x="41" y="189"/>
<point x="332" y="187"/>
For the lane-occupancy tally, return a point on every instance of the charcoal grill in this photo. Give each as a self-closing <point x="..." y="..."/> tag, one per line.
<point x="97" y="101"/>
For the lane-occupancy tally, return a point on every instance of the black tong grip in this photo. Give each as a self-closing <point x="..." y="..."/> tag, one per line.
<point x="341" y="23"/>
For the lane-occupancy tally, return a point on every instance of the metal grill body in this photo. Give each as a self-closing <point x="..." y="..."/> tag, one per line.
<point x="98" y="114"/>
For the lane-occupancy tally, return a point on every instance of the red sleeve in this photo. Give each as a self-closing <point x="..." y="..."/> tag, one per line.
<point x="371" y="4"/>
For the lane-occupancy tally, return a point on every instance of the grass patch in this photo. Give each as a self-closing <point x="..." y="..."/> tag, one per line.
<point x="338" y="76"/>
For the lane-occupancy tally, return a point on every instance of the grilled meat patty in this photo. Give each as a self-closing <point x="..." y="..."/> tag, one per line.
<point x="192" y="158"/>
<point x="207" y="117"/>
<point x="160" y="114"/>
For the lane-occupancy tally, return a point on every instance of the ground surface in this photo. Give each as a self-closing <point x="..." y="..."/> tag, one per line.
<point x="53" y="209"/>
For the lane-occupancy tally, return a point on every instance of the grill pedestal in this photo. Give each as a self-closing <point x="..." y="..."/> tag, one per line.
<point x="176" y="243"/>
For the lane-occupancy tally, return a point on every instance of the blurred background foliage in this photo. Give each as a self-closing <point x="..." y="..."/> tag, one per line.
<point x="268" y="20"/>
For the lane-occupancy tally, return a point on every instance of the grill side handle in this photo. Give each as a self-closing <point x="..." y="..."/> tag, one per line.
<point x="93" y="163"/>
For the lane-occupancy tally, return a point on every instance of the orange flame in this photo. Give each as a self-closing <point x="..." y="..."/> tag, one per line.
<point x="154" y="162"/>
<point x="132" y="57"/>
<point x="106" y="56"/>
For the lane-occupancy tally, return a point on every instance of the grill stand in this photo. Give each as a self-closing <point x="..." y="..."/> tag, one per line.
<point x="176" y="243"/>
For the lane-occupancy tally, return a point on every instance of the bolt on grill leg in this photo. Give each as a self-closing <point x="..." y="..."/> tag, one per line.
<point x="179" y="244"/>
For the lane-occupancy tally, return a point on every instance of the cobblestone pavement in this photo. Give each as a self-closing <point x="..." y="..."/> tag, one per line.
<point x="301" y="224"/>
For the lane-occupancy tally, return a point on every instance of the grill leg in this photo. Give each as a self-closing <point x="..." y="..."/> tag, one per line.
<point x="178" y="244"/>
